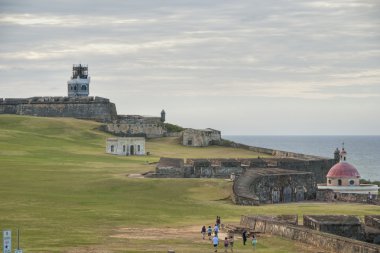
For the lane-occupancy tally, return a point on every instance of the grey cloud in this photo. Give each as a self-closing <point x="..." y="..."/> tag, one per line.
<point x="232" y="50"/>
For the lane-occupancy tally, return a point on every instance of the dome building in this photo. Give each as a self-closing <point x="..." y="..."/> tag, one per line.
<point x="343" y="177"/>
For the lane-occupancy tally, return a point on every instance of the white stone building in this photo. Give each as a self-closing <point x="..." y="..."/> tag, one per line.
<point x="126" y="146"/>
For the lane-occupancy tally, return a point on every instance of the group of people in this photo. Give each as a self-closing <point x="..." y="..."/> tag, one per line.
<point x="245" y="238"/>
<point x="228" y="241"/>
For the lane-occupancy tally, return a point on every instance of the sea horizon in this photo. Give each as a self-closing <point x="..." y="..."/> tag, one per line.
<point x="363" y="150"/>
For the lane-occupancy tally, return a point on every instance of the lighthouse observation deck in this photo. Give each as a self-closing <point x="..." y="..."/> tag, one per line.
<point x="79" y="84"/>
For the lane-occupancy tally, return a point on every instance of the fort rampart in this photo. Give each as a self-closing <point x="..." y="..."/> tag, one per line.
<point x="93" y="108"/>
<point x="320" y="240"/>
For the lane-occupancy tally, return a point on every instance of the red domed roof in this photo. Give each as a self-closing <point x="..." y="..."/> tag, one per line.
<point x="343" y="169"/>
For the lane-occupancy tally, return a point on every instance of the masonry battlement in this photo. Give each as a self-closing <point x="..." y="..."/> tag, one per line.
<point x="53" y="100"/>
<point x="138" y="119"/>
<point x="94" y="108"/>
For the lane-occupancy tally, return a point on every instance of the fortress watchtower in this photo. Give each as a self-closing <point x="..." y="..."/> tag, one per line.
<point x="79" y="84"/>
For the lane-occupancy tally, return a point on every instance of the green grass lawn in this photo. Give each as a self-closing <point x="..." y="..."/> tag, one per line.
<point x="60" y="188"/>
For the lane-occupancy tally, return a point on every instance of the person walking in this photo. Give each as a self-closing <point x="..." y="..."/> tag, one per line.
<point x="369" y="198"/>
<point x="203" y="232"/>
<point x="216" y="230"/>
<point x="231" y="241"/>
<point x="215" y="242"/>
<point x="254" y="241"/>
<point x="209" y="232"/>
<point x="244" y="235"/>
<point x="226" y="243"/>
<point x="218" y="221"/>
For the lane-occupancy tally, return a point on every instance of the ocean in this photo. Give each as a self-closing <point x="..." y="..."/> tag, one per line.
<point x="362" y="151"/>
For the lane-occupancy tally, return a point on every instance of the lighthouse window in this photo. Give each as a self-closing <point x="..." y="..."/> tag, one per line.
<point x="352" y="182"/>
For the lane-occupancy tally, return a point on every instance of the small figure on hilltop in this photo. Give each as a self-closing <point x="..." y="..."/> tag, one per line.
<point x="254" y="241"/>
<point x="244" y="235"/>
<point x="215" y="242"/>
<point x="216" y="230"/>
<point x="226" y="243"/>
<point x="209" y="232"/>
<point x="203" y="232"/>
<point x="231" y="241"/>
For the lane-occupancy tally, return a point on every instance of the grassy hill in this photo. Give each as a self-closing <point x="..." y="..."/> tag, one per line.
<point x="66" y="195"/>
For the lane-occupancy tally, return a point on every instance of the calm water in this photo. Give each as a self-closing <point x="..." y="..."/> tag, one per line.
<point x="363" y="151"/>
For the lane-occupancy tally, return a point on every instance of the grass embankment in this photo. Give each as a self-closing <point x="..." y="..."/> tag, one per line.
<point x="60" y="188"/>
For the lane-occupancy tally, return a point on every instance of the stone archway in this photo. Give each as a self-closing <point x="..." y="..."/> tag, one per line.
<point x="287" y="194"/>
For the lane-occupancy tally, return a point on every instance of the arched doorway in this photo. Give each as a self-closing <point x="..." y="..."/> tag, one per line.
<point x="287" y="194"/>
<point x="132" y="150"/>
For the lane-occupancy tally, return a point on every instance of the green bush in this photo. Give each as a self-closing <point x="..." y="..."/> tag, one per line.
<point x="171" y="128"/>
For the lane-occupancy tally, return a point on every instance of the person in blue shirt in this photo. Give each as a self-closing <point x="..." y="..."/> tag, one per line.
<point x="216" y="230"/>
<point x="209" y="232"/>
<point x="215" y="242"/>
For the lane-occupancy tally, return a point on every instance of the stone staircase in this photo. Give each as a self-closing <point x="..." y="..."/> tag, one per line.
<point x="242" y="187"/>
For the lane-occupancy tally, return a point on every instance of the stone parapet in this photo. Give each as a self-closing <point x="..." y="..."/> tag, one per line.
<point x="330" y="195"/>
<point x="320" y="240"/>
<point x="94" y="108"/>
<point x="372" y="221"/>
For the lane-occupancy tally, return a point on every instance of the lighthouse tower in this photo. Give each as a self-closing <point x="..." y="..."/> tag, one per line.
<point x="79" y="84"/>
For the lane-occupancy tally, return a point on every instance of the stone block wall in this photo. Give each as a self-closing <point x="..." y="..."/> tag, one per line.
<point x="99" y="109"/>
<point x="330" y="195"/>
<point x="342" y="225"/>
<point x="320" y="240"/>
<point x="372" y="221"/>
<point x="200" y="138"/>
<point x="291" y="160"/>
<point x="154" y="130"/>
<point x="301" y="186"/>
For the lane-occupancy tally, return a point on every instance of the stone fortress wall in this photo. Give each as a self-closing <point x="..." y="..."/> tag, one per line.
<point x="151" y="127"/>
<point x="223" y="168"/>
<point x="321" y="240"/>
<point x="92" y="108"/>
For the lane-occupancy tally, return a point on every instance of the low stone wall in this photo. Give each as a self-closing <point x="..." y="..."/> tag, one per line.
<point x="245" y="201"/>
<point x="274" y="152"/>
<point x="149" y="130"/>
<point x="321" y="240"/>
<point x="343" y="225"/>
<point x="330" y="195"/>
<point x="173" y="134"/>
<point x="372" y="221"/>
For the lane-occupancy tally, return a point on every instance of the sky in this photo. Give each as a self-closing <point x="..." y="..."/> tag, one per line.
<point x="243" y="67"/>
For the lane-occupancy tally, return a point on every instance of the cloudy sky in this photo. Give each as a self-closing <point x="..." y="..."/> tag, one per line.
<point x="244" y="67"/>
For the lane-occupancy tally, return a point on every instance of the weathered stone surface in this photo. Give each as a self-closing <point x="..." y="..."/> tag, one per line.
<point x="330" y="195"/>
<point x="200" y="137"/>
<point x="124" y="125"/>
<point x="97" y="108"/>
<point x="273" y="185"/>
<point x="321" y="240"/>
<point x="343" y="225"/>
<point x="372" y="221"/>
